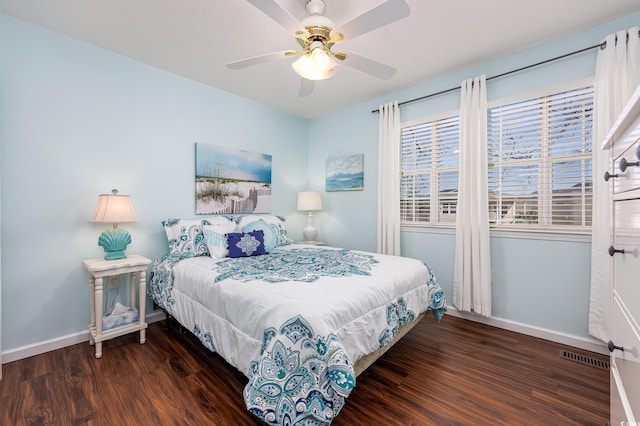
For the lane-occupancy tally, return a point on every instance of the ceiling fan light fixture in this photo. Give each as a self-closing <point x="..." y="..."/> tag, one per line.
<point x="316" y="64"/>
<point x="316" y="35"/>
<point x="319" y="58"/>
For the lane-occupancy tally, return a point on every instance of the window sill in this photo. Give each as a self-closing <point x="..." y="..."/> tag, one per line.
<point x="583" y="236"/>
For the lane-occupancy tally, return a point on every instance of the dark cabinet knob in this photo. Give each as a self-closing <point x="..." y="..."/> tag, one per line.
<point x="608" y="176"/>
<point x="613" y="250"/>
<point x="612" y="347"/>
<point x="624" y="164"/>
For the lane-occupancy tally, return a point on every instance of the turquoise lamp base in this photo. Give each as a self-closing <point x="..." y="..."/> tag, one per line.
<point x="115" y="242"/>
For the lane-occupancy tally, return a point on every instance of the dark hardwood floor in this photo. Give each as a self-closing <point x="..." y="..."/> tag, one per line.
<point x="455" y="372"/>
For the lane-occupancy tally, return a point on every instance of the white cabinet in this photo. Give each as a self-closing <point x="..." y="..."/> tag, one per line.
<point x="624" y="143"/>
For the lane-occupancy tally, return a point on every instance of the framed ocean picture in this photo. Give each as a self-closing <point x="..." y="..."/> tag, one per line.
<point x="230" y="180"/>
<point x="345" y="173"/>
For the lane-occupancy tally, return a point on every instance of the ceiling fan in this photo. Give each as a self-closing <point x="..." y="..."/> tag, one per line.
<point x="317" y="34"/>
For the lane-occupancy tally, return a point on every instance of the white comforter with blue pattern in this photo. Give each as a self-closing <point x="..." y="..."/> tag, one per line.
<point x="294" y="321"/>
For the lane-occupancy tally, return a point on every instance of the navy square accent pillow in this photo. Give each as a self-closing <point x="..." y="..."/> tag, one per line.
<point x="246" y="244"/>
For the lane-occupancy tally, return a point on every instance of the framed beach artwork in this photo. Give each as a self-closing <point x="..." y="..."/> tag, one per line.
<point x="231" y="181"/>
<point x="345" y="173"/>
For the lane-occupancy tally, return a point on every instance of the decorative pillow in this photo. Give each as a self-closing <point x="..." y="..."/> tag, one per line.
<point x="246" y="244"/>
<point x="185" y="237"/>
<point x="277" y="222"/>
<point x="215" y="237"/>
<point x="217" y="244"/>
<point x="218" y="220"/>
<point x="270" y="233"/>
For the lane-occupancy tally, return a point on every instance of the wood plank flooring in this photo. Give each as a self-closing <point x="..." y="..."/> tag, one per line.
<point x="455" y="372"/>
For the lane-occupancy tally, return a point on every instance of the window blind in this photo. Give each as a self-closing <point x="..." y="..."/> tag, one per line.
<point x="429" y="171"/>
<point x="539" y="153"/>
<point x="539" y="163"/>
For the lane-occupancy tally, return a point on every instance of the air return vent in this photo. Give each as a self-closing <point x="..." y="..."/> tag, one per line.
<point x="585" y="359"/>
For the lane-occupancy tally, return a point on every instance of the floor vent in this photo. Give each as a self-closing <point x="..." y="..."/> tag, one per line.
<point x="584" y="359"/>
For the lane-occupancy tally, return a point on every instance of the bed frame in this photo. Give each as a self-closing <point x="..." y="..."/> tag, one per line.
<point x="364" y="362"/>
<point x="361" y="364"/>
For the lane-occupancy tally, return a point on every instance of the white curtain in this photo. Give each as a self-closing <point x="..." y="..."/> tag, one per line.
<point x="472" y="270"/>
<point x="389" y="180"/>
<point x="617" y="76"/>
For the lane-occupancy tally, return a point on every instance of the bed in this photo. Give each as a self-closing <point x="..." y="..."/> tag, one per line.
<point x="300" y="321"/>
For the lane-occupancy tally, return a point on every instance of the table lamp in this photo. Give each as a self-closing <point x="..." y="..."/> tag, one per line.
<point x="114" y="208"/>
<point x="310" y="201"/>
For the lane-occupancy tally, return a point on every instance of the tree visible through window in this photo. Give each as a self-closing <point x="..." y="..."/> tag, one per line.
<point x="539" y="163"/>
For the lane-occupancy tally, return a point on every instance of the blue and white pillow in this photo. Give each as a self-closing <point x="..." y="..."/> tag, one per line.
<point x="270" y="233"/>
<point x="276" y="222"/>
<point x="215" y="237"/>
<point x="185" y="238"/>
<point x="246" y="244"/>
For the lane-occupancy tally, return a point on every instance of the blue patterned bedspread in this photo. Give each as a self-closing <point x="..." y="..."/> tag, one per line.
<point x="299" y="375"/>
<point x="303" y="264"/>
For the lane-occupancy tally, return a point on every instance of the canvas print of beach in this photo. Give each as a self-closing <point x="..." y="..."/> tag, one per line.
<point x="231" y="181"/>
<point x="345" y="173"/>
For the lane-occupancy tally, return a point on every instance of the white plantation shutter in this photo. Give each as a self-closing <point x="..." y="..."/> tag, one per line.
<point x="429" y="171"/>
<point x="539" y="158"/>
<point x="539" y="153"/>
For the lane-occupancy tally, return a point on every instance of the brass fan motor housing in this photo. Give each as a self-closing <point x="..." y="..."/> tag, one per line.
<point x="318" y="33"/>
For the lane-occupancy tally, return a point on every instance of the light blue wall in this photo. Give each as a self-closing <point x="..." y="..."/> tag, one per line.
<point x="538" y="283"/>
<point x="78" y="121"/>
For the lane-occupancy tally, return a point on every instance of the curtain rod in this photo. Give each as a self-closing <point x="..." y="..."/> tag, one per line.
<point x="442" y="92"/>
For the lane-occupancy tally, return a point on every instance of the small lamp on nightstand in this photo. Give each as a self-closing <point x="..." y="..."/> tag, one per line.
<point x="309" y="201"/>
<point x="114" y="208"/>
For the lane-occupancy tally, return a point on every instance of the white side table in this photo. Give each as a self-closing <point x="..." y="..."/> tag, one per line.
<point x="98" y="270"/>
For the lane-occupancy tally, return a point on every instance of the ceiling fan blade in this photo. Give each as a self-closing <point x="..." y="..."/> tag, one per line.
<point x="273" y="10"/>
<point x="376" y="69"/>
<point x="244" y="63"/>
<point x="376" y="17"/>
<point x="306" y="87"/>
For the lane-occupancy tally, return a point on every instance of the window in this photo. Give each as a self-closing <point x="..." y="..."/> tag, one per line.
<point x="429" y="171"/>
<point x="539" y="163"/>
<point x="540" y="160"/>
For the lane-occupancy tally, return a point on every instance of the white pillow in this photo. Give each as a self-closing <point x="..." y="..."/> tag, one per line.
<point x="215" y="237"/>
<point x="217" y="220"/>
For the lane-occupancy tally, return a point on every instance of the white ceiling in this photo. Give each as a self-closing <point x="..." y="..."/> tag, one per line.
<point x="196" y="38"/>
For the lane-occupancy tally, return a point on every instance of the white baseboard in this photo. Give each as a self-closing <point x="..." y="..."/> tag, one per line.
<point x="60" y="342"/>
<point x="587" y="344"/>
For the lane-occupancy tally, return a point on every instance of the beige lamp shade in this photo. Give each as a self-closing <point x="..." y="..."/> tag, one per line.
<point x="114" y="208"/>
<point x="309" y="200"/>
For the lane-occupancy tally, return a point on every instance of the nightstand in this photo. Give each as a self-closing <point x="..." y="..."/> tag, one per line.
<point x="99" y="269"/>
